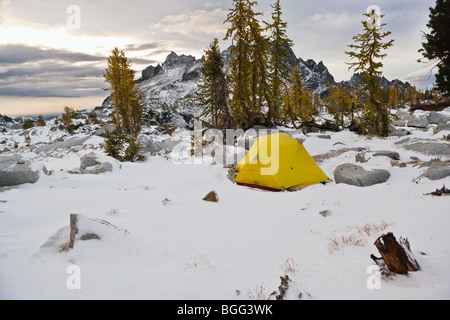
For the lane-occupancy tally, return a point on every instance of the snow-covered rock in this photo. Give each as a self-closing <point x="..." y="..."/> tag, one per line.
<point x="15" y="171"/>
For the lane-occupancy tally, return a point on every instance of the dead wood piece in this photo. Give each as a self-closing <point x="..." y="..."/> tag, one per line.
<point x="440" y="106"/>
<point x="283" y="287"/>
<point x="440" y="192"/>
<point x="397" y="257"/>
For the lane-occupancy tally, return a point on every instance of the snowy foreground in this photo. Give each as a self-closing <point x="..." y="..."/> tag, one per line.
<point x="178" y="246"/>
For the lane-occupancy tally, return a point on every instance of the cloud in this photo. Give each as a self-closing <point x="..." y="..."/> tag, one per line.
<point x="21" y="54"/>
<point x="199" y="21"/>
<point x="422" y="79"/>
<point x="142" y="47"/>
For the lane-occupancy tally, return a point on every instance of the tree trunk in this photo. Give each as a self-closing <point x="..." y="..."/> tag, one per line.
<point x="397" y="256"/>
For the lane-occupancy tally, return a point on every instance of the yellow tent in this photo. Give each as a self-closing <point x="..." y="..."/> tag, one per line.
<point x="279" y="162"/>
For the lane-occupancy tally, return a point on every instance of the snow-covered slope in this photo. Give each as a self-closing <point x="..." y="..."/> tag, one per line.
<point x="178" y="246"/>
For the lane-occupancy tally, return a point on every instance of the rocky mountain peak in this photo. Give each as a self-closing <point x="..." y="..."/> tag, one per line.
<point x="174" y="59"/>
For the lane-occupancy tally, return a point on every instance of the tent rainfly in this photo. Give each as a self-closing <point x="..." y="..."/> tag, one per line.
<point x="279" y="162"/>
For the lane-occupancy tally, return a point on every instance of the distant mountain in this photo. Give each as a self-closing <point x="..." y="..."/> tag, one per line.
<point x="176" y="77"/>
<point x="170" y="86"/>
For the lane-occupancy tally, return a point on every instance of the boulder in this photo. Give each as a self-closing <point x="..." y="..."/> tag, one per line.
<point x="153" y="147"/>
<point x="438" y="171"/>
<point x="398" y="132"/>
<point x="89" y="160"/>
<point x="442" y="127"/>
<point x="357" y="176"/>
<point x="14" y="171"/>
<point x="430" y="148"/>
<point x="390" y="154"/>
<point x="437" y="118"/>
<point x="89" y="164"/>
<point x="69" y="143"/>
<point x="109" y="127"/>
<point x="421" y="122"/>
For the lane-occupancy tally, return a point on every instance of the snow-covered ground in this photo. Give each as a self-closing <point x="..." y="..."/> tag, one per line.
<point x="181" y="247"/>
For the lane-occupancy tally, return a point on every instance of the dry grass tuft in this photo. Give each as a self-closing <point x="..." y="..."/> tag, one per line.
<point x="259" y="293"/>
<point x="358" y="238"/>
<point x="289" y="267"/>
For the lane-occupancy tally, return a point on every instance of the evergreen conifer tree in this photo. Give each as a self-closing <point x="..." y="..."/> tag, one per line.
<point x="368" y="55"/>
<point x="213" y="89"/>
<point x="128" y="101"/>
<point x="279" y="61"/>
<point x="437" y="44"/>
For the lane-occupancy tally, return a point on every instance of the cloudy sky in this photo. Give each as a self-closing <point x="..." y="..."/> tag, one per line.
<point x="53" y="52"/>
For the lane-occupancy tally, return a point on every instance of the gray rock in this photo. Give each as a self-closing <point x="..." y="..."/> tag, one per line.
<point x="396" y="163"/>
<point x="403" y="118"/>
<point x="89" y="160"/>
<point x="390" y="154"/>
<point x="430" y="148"/>
<point x="324" y="136"/>
<point x="155" y="147"/>
<point x="398" y="132"/>
<point x="14" y="174"/>
<point x="90" y="165"/>
<point x="109" y="127"/>
<point x="437" y="171"/>
<point x="421" y="122"/>
<point x="442" y="127"/>
<point x="69" y="143"/>
<point x="357" y="176"/>
<point x="102" y="168"/>
<point x="361" y="157"/>
<point x="98" y="169"/>
<point x="437" y="118"/>
<point x="89" y="236"/>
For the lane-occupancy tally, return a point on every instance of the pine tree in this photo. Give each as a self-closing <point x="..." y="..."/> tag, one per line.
<point x="368" y="49"/>
<point x="213" y="89"/>
<point x="437" y="44"/>
<point x="279" y="62"/>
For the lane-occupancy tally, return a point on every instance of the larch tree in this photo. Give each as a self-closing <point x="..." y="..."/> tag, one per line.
<point x="240" y="75"/>
<point x="368" y="53"/>
<point x="128" y="101"/>
<point x="339" y="104"/>
<point x="279" y="61"/>
<point x="298" y="101"/>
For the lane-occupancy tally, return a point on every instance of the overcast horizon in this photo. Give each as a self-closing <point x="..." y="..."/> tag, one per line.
<point x="52" y="55"/>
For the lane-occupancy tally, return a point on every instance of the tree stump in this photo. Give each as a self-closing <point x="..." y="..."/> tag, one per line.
<point x="395" y="257"/>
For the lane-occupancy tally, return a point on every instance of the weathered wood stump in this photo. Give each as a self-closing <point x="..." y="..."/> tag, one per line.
<point x="396" y="257"/>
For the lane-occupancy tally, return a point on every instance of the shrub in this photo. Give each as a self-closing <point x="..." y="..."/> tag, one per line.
<point x="67" y="117"/>
<point x="28" y="124"/>
<point x="41" y="122"/>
